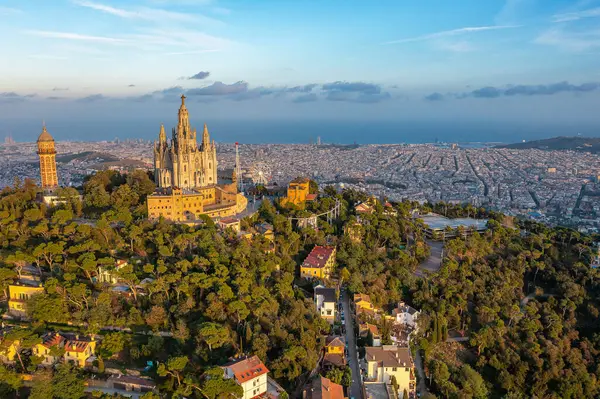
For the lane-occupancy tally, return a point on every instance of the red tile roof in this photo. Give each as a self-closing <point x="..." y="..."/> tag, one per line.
<point x="247" y="369"/>
<point x="52" y="338"/>
<point x="311" y="197"/>
<point x="318" y="257"/>
<point x="323" y="388"/>
<point x="76" y="345"/>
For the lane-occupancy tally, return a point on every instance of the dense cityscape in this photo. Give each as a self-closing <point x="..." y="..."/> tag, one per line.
<point x="555" y="187"/>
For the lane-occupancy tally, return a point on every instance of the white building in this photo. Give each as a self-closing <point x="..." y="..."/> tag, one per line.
<point x="389" y="361"/>
<point x="405" y="315"/>
<point x="250" y="373"/>
<point x="325" y="300"/>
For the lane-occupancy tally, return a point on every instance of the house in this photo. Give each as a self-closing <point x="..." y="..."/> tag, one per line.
<point x="49" y="348"/>
<point x="363" y="208"/>
<point x="388" y="209"/>
<point x="131" y="383"/>
<point x="323" y="388"/>
<point x="109" y="275"/>
<point x="325" y="300"/>
<point x="250" y="373"/>
<point x="229" y="223"/>
<point x="8" y="349"/>
<point x="354" y="231"/>
<point x="405" y="315"/>
<point x="365" y="328"/>
<point x="79" y="350"/>
<point x="319" y="263"/>
<point x="389" y="361"/>
<point x="266" y="230"/>
<point x="20" y="293"/>
<point x="334" y="352"/>
<point x="363" y="301"/>
<point x="311" y="197"/>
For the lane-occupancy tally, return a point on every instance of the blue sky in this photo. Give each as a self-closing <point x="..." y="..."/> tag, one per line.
<point x="504" y="60"/>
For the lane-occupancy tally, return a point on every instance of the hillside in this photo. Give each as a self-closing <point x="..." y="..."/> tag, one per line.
<point x="87" y="156"/>
<point x="587" y="144"/>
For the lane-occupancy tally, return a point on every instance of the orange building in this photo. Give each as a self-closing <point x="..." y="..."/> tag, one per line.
<point x="297" y="191"/>
<point x="47" y="154"/>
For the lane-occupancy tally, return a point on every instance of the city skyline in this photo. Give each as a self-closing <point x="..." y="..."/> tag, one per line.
<point x="509" y="62"/>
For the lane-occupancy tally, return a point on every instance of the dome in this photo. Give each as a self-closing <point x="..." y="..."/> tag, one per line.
<point x="45" y="136"/>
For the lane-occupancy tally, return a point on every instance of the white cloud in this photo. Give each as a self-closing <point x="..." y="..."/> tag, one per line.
<point x="147" y="14"/>
<point x="576" y="15"/>
<point x="74" y="36"/>
<point x="453" y="32"/>
<point x="570" y="41"/>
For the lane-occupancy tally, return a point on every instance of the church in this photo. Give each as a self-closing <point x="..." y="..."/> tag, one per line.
<point x="186" y="176"/>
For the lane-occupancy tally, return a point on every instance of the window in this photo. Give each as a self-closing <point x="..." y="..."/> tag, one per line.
<point x="328" y="312"/>
<point x="393" y="368"/>
<point x="406" y="369"/>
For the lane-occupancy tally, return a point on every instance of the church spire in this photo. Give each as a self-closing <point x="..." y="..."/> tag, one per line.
<point x="162" y="137"/>
<point x="184" y="121"/>
<point x="205" y="137"/>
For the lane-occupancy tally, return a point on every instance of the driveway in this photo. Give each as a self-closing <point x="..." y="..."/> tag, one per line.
<point x="434" y="262"/>
<point x="355" y="388"/>
<point x="421" y="387"/>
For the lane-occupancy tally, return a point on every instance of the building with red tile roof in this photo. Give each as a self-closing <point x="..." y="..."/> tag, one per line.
<point x="319" y="263"/>
<point x="323" y="388"/>
<point x="250" y="373"/>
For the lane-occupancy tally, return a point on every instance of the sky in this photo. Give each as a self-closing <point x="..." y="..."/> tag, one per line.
<point x="505" y="62"/>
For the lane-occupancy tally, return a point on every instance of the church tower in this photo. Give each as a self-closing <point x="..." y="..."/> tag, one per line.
<point x="183" y="163"/>
<point x="47" y="154"/>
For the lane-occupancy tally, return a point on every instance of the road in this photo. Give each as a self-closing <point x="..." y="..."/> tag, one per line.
<point x="355" y="389"/>
<point x="433" y="263"/>
<point x="421" y="387"/>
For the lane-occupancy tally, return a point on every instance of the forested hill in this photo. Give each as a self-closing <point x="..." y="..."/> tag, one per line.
<point x="587" y="144"/>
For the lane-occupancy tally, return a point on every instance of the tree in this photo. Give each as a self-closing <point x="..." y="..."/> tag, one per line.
<point x="41" y="387"/>
<point x="67" y="383"/>
<point x="174" y="368"/>
<point x="10" y="381"/>
<point x="473" y="383"/>
<point x="157" y="318"/>
<point x="113" y="343"/>
<point x="213" y="334"/>
<point x="214" y="385"/>
<point x="21" y="340"/>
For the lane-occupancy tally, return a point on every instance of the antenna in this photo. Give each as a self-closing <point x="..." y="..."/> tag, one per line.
<point x="238" y="169"/>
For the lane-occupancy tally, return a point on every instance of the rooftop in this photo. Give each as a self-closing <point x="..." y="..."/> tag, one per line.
<point x="439" y="222"/>
<point x="389" y="356"/>
<point x="318" y="257"/>
<point x="247" y="369"/>
<point x="323" y="388"/>
<point x="328" y="294"/>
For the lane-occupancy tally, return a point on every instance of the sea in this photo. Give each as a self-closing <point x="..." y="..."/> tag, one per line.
<point x="298" y="131"/>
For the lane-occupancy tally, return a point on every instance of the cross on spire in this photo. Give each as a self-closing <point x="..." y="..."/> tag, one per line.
<point x="183" y="97"/>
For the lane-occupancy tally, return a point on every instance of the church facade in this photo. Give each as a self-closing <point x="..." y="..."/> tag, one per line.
<point x="186" y="176"/>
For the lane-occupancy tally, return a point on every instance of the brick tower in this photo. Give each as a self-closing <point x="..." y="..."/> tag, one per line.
<point x="47" y="154"/>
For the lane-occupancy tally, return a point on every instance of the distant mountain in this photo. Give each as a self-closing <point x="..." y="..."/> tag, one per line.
<point x="586" y="144"/>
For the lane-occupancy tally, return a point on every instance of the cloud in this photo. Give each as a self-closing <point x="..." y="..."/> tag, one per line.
<point x="60" y="89"/>
<point x="219" y="89"/>
<point x="486" y="92"/>
<point x="144" y="13"/>
<point x="305" y="98"/>
<point x="453" y="32"/>
<point x="74" y="36"/>
<point x="13" y="97"/>
<point x="92" y="98"/>
<point x="577" y="15"/>
<point x="131" y="86"/>
<point x="520" y="90"/>
<point x="435" y="97"/>
<point x="576" y="41"/>
<point x="53" y="98"/>
<point x="199" y="76"/>
<point x="354" y="92"/>
<point x="302" y="89"/>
